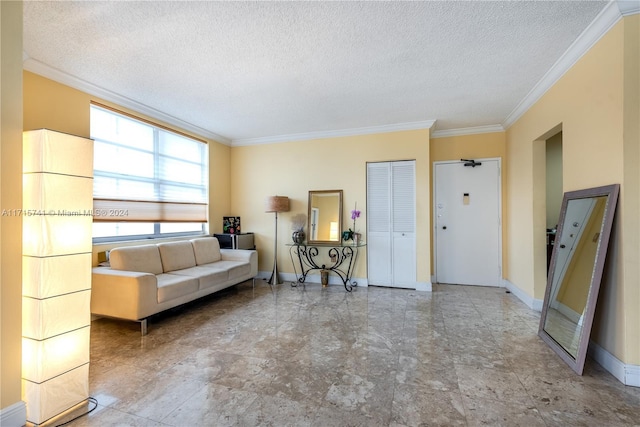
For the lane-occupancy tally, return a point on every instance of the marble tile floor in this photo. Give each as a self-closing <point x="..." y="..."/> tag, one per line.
<point x="313" y="356"/>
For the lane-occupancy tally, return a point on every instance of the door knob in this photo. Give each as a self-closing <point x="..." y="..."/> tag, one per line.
<point x="444" y="228"/>
<point x="562" y="246"/>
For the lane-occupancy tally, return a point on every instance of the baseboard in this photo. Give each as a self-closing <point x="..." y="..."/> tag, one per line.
<point x="424" y="286"/>
<point x="14" y="415"/>
<point x="532" y="303"/>
<point x="569" y="313"/>
<point x="626" y="374"/>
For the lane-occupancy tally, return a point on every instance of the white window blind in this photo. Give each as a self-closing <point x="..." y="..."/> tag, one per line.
<point x="146" y="173"/>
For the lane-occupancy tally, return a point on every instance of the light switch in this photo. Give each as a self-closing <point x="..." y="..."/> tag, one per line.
<point x="465" y="199"/>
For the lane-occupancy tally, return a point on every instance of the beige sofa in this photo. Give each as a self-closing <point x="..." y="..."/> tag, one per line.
<point x="145" y="280"/>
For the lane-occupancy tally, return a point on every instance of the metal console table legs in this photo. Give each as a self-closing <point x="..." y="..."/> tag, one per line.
<point x="342" y="261"/>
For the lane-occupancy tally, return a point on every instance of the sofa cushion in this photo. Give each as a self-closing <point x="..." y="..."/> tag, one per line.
<point x="176" y="255"/>
<point x="171" y="286"/>
<point x="206" y="250"/>
<point x="206" y="276"/>
<point x="145" y="259"/>
<point x="236" y="269"/>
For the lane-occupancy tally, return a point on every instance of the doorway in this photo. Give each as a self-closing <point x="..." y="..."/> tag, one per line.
<point x="553" y="193"/>
<point x="468" y="222"/>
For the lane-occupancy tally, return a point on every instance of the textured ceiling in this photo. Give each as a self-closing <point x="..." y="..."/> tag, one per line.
<point x="247" y="70"/>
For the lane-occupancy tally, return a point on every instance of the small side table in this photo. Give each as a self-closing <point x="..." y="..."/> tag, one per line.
<point x="342" y="260"/>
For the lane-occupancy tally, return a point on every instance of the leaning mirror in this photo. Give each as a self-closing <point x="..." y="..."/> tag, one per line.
<point x="325" y="216"/>
<point x="575" y="272"/>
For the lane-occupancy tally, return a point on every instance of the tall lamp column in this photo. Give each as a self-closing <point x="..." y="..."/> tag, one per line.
<point x="276" y="204"/>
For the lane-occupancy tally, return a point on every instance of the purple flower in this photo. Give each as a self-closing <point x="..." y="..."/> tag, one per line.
<point x="355" y="214"/>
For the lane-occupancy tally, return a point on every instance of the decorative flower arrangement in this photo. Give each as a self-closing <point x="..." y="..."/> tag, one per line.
<point x="298" y="222"/>
<point x="352" y="233"/>
<point x="297" y="225"/>
<point x="355" y="213"/>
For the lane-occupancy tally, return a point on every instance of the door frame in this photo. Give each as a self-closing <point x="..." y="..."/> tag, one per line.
<point x="501" y="282"/>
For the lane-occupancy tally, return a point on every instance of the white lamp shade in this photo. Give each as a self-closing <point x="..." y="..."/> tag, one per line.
<point x="57" y="216"/>
<point x="45" y="150"/>
<point x="57" y="194"/>
<point x="56" y="235"/>
<point x="43" y="360"/>
<point x="45" y="277"/>
<point x="46" y="318"/>
<point x="48" y="399"/>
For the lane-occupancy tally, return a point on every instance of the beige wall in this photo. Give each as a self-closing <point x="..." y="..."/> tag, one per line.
<point x="631" y="205"/>
<point x="588" y="104"/>
<point x="478" y="146"/>
<point x="10" y="200"/>
<point x="293" y="168"/>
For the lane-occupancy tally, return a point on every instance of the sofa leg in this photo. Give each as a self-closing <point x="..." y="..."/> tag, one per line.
<point x="143" y="327"/>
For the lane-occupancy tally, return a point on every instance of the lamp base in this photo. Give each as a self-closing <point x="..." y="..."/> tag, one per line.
<point x="275" y="278"/>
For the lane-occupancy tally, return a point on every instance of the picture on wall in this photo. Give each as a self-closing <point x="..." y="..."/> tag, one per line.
<point x="231" y="224"/>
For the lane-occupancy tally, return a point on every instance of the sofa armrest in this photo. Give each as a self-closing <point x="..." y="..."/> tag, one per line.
<point x="245" y="255"/>
<point x="123" y="294"/>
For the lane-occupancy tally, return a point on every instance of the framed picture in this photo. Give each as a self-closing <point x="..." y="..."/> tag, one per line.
<point x="231" y="224"/>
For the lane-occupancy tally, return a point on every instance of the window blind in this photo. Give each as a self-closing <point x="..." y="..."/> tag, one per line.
<point x="146" y="173"/>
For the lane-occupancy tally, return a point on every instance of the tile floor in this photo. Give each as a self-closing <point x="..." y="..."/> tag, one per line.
<point x="310" y="356"/>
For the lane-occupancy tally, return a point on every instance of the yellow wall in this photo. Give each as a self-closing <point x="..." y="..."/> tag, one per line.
<point x="478" y="146"/>
<point x="631" y="199"/>
<point x="10" y="200"/>
<point x="293" y="168"/>
<point x="588" y="104"/>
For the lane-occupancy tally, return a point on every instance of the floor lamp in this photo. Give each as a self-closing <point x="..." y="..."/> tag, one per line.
<point x="56" y="272"/>
<point x="276" y="204"/>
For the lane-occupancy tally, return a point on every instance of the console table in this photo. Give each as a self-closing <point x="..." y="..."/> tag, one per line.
<point x="341" y="260"/>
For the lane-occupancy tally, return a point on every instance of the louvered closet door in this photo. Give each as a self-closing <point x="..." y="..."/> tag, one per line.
<point x="379" y="224"/>
<point x="391" y="224"/>
<point x="404" y="224"/>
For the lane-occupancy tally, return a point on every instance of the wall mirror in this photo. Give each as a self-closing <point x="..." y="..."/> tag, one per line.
<point x="575" y="272"/>
<point x="325" y="216"/>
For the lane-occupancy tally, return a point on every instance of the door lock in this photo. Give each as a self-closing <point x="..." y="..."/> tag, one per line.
<point x="444" y="228"/>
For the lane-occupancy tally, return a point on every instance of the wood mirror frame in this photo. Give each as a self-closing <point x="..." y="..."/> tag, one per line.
<point x="575" y="272"/>
<point x="325" y="216"/>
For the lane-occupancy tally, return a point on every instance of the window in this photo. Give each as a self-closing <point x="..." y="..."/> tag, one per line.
<point x="148" y="181"/>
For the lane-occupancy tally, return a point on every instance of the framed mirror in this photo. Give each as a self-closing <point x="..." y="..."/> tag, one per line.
<point x="575" y="272"/>
<point x="325" y="216"/>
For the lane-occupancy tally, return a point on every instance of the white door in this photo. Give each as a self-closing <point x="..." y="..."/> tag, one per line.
<point x="391" y="243"/>
<point x="467" y="218"/>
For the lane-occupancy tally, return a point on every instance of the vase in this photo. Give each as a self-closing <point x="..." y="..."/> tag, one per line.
<point x="324" y="278"/>
<point x="356" y="239"/>
<point x="298" y="236"/>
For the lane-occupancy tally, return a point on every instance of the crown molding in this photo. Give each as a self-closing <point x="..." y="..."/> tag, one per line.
<point x="628" y="7"/>
<point x="605" y="20"/>
<point x="466" y="131"/>
<point x="398" y="127"/>
<point x="37" y="67"/>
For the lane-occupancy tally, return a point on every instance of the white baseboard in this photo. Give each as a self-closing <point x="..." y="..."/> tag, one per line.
<point x="532" y="303"/>
<point x="626" y="374"/>
<point x="424" y="286"/>
<point x="14" y="415"/>
<point x="569" y="313"/>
